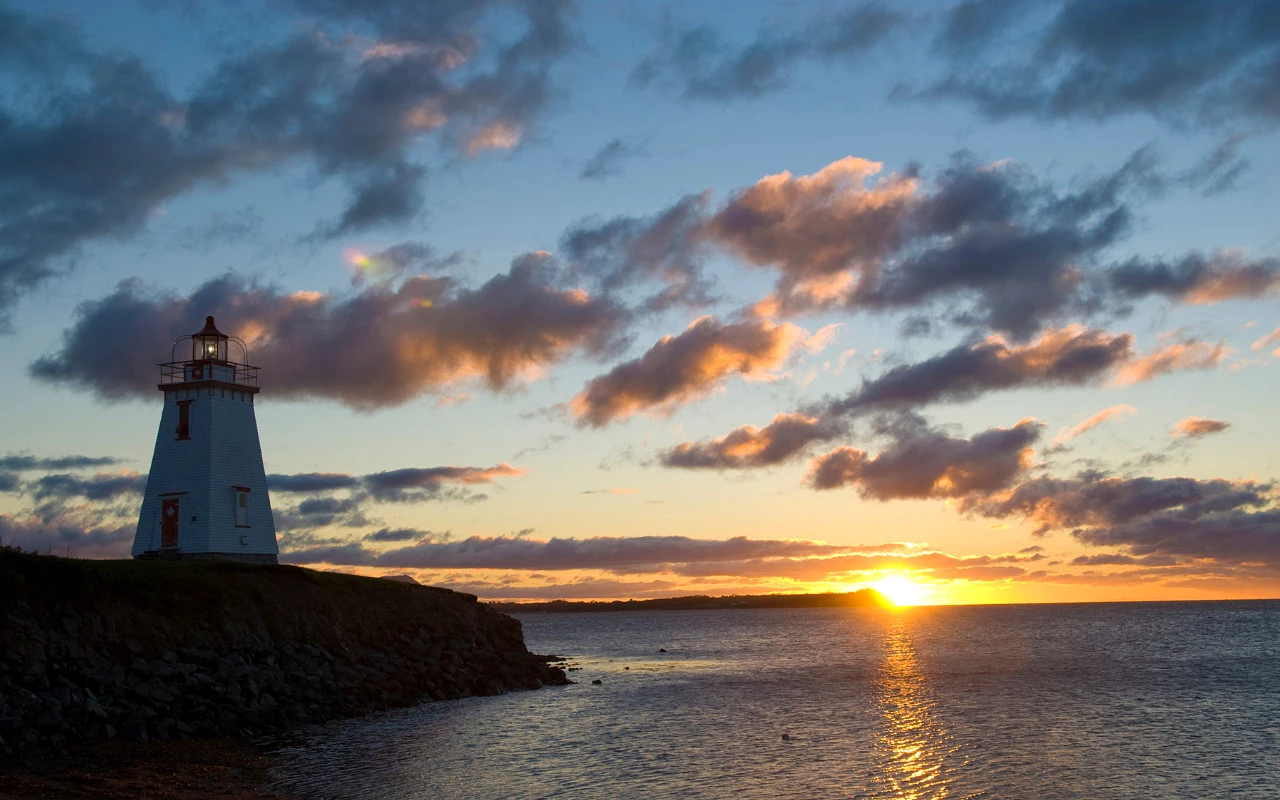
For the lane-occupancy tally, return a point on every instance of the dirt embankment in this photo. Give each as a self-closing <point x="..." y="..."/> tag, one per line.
<point x="174" y="650"/>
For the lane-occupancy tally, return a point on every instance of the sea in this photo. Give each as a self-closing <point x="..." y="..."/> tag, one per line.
<point x="1089" y="701"/>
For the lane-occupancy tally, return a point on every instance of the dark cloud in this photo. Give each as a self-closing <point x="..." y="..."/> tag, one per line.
<point x="583" y="589"/>
<point x="397" y="535"/>
<point x="925" y="463"/>
<point x="108" y="142"/>
<point x="607" y="161"/>
<point x="1220" y="170"/>
<point x="9" y="481"/>
<point x="1071" y="356"/>
<point x="784" y="438"/>
<point x="378" y="346"/>
<point x="389" y="195"/>
<point x="321" y="512"/>
<point x="308" y="482"/>
<point x="1120" y="559"/>
<point x="413" y="484"/>
<point x="684" y="367"/>
<point x="1228" y="536"/>
<point x="1184" y="61"/>
<point x="21" y="462"/>
<point x="1198" y="279"/>
<point x="408" y="485"/>
<point x="703" y="67"/>
<point x="627" y="252"/>
<point x="105" y="486"/>
<point x="600" y="552"/>
<point x="1100" y="502"/>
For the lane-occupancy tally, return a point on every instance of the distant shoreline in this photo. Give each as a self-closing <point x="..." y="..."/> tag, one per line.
<point x="862" y="598"/>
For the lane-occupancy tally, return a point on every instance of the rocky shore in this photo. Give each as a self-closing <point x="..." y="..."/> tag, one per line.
<point x="100" y="650"/>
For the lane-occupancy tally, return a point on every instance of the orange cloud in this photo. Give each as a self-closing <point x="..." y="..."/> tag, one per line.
<point x="1196" y="427"/>
<point x="680" y="369"/>
<point x="1172" y="358"/>
<point x="1110" y="412"/>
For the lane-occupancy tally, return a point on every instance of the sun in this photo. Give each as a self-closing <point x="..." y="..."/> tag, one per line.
<point x="901" y="590"/>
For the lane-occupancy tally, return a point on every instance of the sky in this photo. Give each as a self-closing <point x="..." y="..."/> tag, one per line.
<point x="628" y="300"/>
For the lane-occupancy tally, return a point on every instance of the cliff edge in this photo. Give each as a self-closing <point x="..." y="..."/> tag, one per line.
<point x="138" y="650"/>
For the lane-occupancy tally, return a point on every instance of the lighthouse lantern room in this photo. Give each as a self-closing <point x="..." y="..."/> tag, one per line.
<point x="206" y="495"/>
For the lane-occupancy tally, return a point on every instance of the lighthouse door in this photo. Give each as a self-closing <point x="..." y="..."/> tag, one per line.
<point x="169" y="523"/>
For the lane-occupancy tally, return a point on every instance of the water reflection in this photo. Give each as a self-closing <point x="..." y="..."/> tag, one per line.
<point x="913" y="750"/>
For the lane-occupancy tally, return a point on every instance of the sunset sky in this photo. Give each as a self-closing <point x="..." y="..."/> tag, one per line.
<point x="629" y="299"/>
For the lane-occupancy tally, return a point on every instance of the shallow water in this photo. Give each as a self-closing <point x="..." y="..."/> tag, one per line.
<point x="1167" y="700"/>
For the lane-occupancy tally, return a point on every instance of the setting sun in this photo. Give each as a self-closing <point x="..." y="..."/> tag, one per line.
<point x="901" y="590"/>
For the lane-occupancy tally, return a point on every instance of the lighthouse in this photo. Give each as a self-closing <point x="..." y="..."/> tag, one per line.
<point x="206" y="494"/>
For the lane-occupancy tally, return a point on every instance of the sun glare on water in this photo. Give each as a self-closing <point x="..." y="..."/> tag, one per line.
<point x="901" y="590"/>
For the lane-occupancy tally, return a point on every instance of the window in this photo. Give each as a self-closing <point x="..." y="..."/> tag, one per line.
<point x="242" y="507"/>
<point x="184" y="419"/>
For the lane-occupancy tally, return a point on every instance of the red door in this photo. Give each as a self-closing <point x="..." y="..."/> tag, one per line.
<point x="168" y="523"/>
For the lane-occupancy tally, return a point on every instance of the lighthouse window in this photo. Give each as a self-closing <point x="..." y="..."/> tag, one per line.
<point x="184" y="419"/>
<point x="242" y="508"/>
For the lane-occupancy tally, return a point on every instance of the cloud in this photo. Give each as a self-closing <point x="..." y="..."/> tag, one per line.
<point x="308" y="482"/>
<point x="1108" y="413"/>
<point x="64" y="537"/>
<point x="925" y="463"/>
<point x="627" y="252"/>
<point x="1195" y="427"/>
<point x="415" y="484"/>
<point x="1197" y="279"/>
<point x="1266" y="341"/>
<point x="407" y="485"/>
<point x="1120" y="559"/>
<point x="599" y="552"/>
<point x="397" y="535"/>
<point x="785" y="437"/>
<point x="103" y="486"/>
<point x="1099" y="501"/>
<point x="617" y="490"/>
<point x="110" y="141"/>
<point x="1220" y="170"/>
<point x="1199" y="64"/>
<point x="22" y="462"/>
<point x="583" y="589"/>
<point x="816" y="228"/>
<point x="1176" y="357"/>
<point x="1003" y="249"/>
<point x="1229" y="536"/>
<point x="702" y="67"/>
<point x="682" y="368"/>
<point x="607" y="161"/>
<point x="1070" y="356"/>
<point x="221" y="228"/>
<point x="378" y="346"/>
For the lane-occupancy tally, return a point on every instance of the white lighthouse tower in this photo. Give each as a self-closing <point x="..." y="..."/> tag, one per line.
<point x="207" y="492"/>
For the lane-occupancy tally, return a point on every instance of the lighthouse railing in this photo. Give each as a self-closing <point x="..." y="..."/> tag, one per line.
<point x="224" y="371"/>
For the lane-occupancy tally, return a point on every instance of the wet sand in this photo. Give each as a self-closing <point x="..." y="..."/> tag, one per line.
<point x="164" y="770"/>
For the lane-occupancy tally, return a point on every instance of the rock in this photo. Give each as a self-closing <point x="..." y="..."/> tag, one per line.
<point x="662" y="649"/>
<point x="597" y="682"/>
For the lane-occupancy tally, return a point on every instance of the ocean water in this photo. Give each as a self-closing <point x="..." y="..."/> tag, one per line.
<point x="1150" y="700"/>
